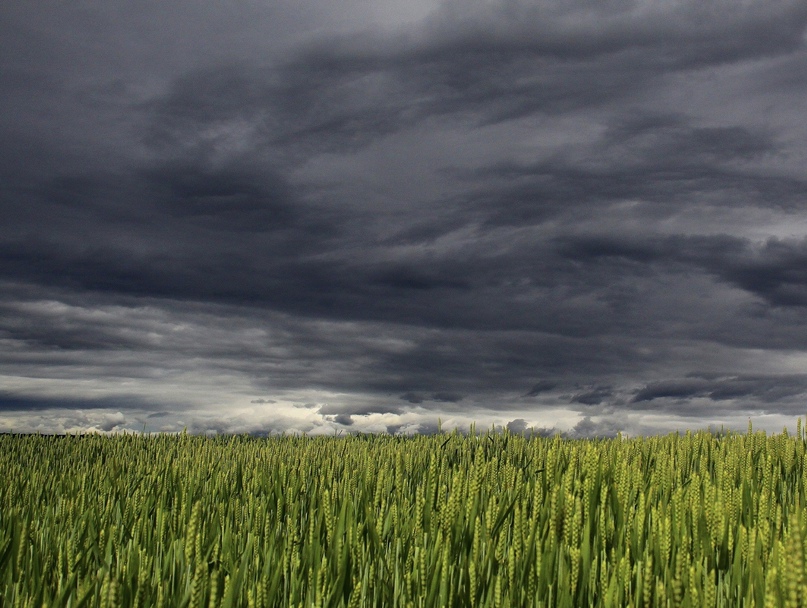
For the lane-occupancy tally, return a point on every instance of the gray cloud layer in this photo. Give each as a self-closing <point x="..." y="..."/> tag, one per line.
<point x="267" y="218"/>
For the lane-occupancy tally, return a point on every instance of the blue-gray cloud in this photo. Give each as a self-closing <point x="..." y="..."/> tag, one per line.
<point x="495" y="210"/>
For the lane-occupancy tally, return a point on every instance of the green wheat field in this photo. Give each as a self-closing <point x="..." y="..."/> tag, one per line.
<point x="489" y="519"/>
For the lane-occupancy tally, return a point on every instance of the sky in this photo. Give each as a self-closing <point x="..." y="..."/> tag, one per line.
<point x="326" y="217"/>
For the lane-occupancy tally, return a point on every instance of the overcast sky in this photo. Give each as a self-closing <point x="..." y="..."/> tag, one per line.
<point x="318" y="216"/>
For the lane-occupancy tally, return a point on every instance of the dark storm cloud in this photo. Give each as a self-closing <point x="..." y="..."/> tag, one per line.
<point x="593" y="397"/>
<point x="765" y="389"/>
<point x="773" y="270"/>
<point x="502" y="63"/>
<point x="658" y="160"/>
<point x="414" y="398"/>
<point x="344" y="92"/>
<point x="11" y="402"/>
<point x="222" y="199"/>
<point x="447" y="397"/>
<point x="343" y="419"/>
<point x="499" y="207"/>
<point x="541" y="387"/>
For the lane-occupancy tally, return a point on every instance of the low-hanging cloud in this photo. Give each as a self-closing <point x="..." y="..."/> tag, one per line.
<point x="546" y="217"/>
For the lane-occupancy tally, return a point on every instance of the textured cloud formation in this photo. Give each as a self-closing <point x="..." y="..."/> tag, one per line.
<point x="266" y="218"/>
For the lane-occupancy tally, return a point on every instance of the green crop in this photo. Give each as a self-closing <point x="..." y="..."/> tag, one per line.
<point x="449" y="520"/>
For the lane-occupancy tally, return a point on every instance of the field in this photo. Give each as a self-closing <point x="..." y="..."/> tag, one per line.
<point x="488" y="519"/>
